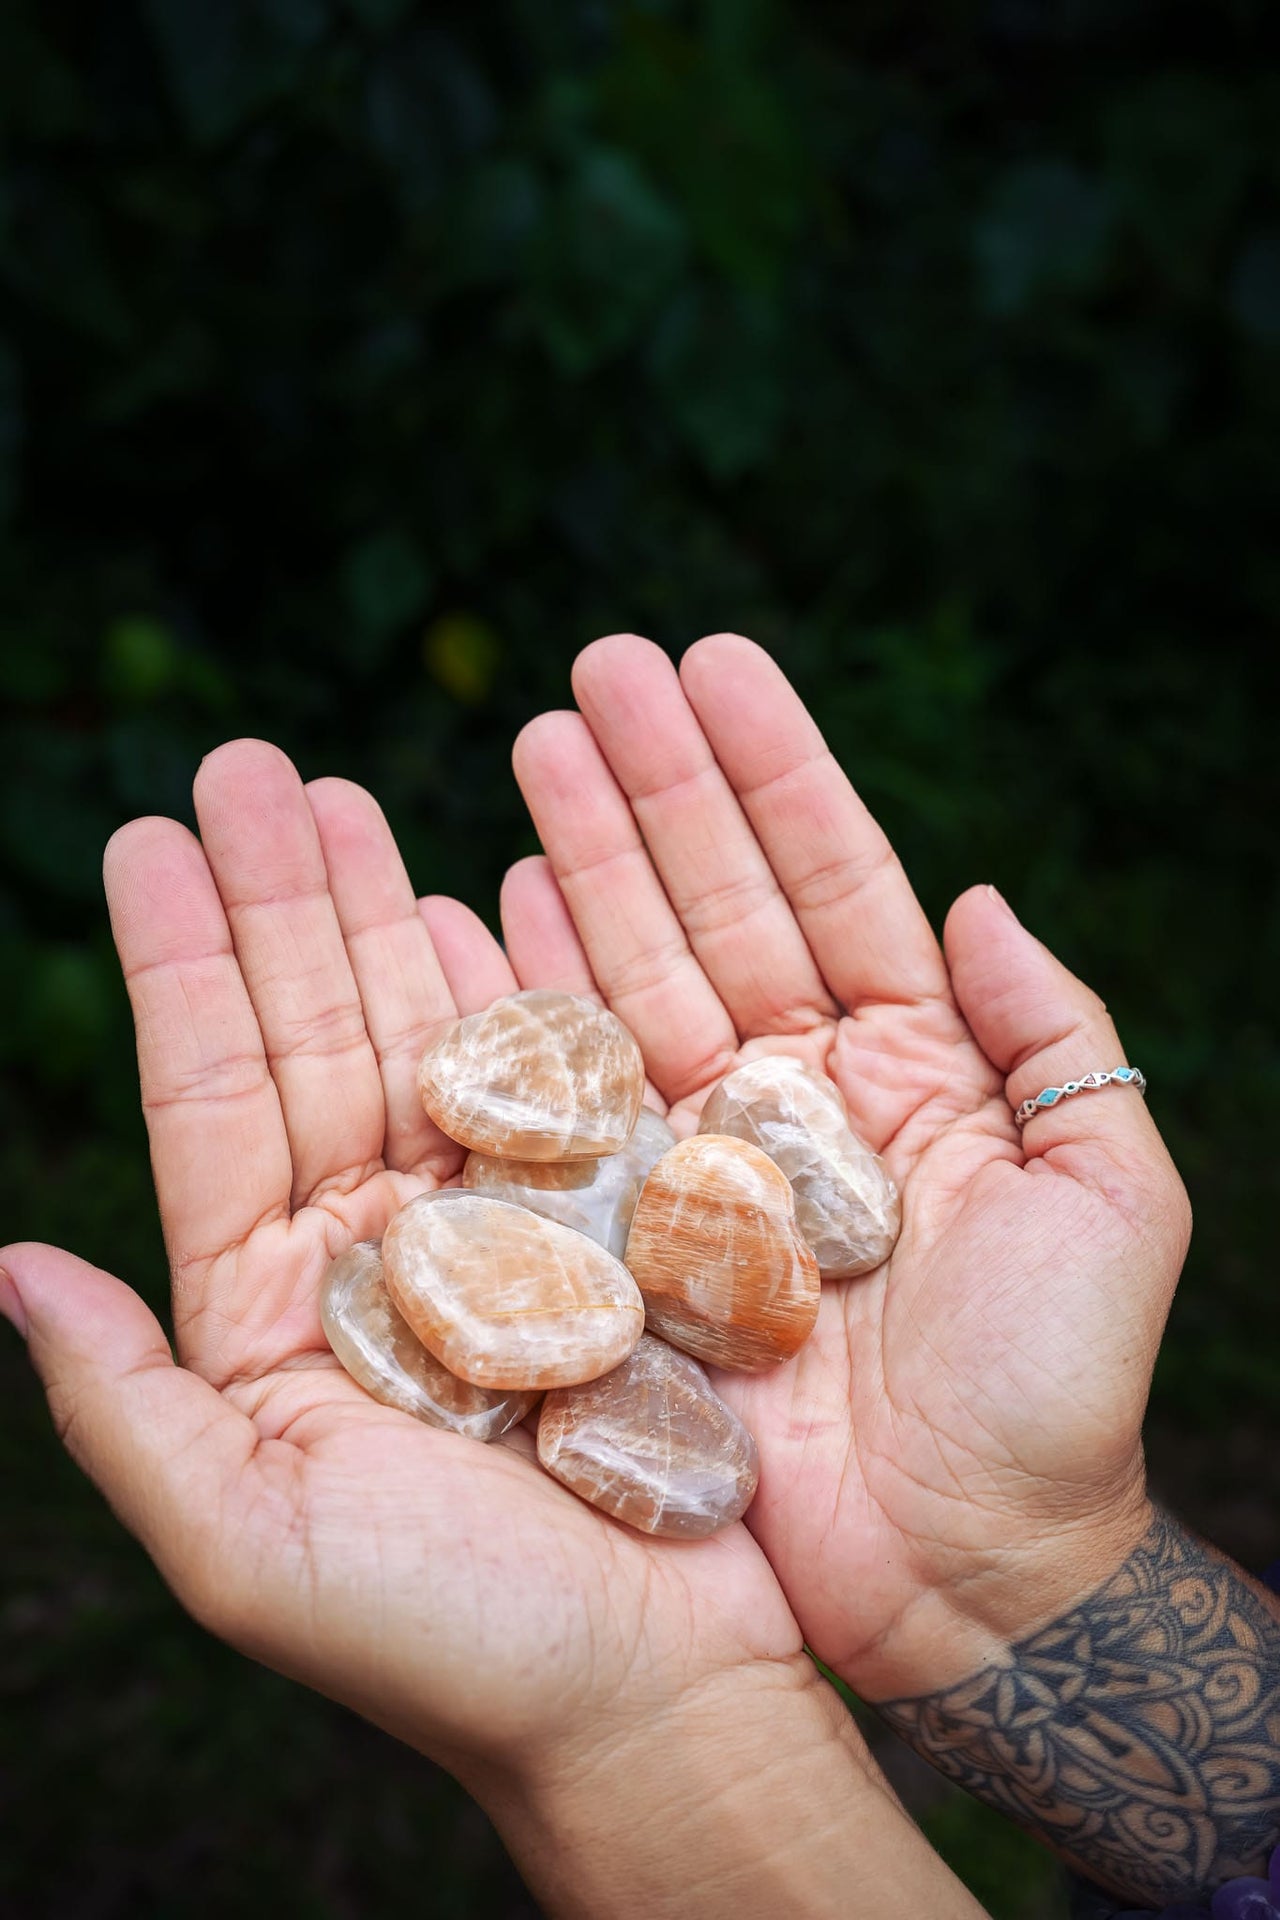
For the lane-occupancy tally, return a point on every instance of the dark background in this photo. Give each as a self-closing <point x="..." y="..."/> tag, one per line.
<point x="358" y="363"/>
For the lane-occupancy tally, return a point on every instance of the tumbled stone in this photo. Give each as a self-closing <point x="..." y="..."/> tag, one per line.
<point x="505" y="1298"/>
<point x="379" y="1350"/>
<point x="847" y="1206"/>
<point x="723" y="1268"/>
<point x="537" y="1076"/>
<point x="652" y="1444"/>
<point x="597" y="1197"/>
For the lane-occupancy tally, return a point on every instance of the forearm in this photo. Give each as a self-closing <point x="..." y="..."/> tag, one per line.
<point x="743" y="1802"/>
<point x="1137" y="1732"/>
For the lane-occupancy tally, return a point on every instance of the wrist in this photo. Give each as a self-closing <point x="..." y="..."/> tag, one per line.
<point x="751" y="1794"/>
<point x="977" y="1602"/>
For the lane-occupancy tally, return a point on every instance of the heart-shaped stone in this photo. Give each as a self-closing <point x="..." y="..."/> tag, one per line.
<point x="847" y="1206"/>
<point x="597" y="1197"/>
<point x="379" y="1350"/>
<point x="714" y="1246"/>
<point x="536" y="1076"/>
<point x="505" y="1298"/>
<point x="652" y="1444"/>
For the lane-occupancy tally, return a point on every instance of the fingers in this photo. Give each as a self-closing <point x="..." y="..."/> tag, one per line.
<point x="737" y="920"/>
<point x="864" y="925"/>
<point x="402" y="985"/>
<point x="537" y="929"/>
<point x="1040" y="1027"/>
<point x="264" y="852"/>
<point x="633" y="940"/>
<point x="473" y="963"/>
<point x="168" y="1452"/>
<point x="219" y="1148"/>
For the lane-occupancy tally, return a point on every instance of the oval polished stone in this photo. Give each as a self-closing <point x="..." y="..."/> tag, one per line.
<point x="379" y="1350"/>
<point x="847" y="1206"/>
<point x="653" y="1445"/>
<point x="505" y="1298"/>
<point x="596" y="1197"/>
<point x="723" y="1268"/>
<point x="536" y="1076"/>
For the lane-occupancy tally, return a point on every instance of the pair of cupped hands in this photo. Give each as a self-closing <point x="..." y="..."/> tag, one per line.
<point x="952" y="1458"/>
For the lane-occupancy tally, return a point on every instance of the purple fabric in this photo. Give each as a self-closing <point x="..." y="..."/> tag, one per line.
<point x="1245" y="1899"/>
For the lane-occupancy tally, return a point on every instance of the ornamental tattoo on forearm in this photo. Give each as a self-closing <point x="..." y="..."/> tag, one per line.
<point x="1139" y="1734"/>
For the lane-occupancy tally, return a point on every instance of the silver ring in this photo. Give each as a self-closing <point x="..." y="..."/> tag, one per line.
<point x="1126" y="1076"/>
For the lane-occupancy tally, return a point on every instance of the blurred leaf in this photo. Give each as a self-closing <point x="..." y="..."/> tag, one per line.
<point x="717" y="366"/>
<point x="139" y="659"/>
<point x="226" y="58"/>
<point x="1047" y="229"/>
<point x="429" y="109"/>
<point x="608" y="249"/>
<point x="463" y="654"/>
<point x="386" y="583"/>
<point x="492" y="223"/>
<point x="40" y="91"/>
<point x="705" y="114"/>
<point x="68" y="1004"/>
<point x="53" y="827"/>
<point x="1178" y="153"/>
<point x="58" y="258"/>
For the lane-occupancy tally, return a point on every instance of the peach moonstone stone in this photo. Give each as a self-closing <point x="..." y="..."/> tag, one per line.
<point x="597" y="1197"/>
<point x="505" y="1298"/>
<point x="723" y="1268"/>
<point x="652" y="1444"/>
<point x="536" y="1076"/>
<point x="847" y="1206"/>
<point x="378" y="1350"/>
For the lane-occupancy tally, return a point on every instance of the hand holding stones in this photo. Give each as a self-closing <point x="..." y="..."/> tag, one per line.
<point x="482" y="1297"/>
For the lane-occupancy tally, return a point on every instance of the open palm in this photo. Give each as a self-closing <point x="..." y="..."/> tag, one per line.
<point x="284" y="981"/>
<point x="960" y="1438"/>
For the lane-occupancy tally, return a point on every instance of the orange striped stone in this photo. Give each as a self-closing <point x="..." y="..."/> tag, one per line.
<point x="724" y="1270"/>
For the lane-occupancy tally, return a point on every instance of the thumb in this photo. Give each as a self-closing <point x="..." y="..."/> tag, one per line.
<point x="1042" y="1027"/>
<point x="155" y="1439"/>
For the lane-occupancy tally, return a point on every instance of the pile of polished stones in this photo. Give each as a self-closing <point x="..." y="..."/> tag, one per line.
<point x="591" y="1258"/>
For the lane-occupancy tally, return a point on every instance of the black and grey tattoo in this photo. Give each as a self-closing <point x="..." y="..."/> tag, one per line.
<point x="1139" y="1735"/>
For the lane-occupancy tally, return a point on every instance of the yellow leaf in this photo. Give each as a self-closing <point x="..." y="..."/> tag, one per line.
<point x="462" y="652"/>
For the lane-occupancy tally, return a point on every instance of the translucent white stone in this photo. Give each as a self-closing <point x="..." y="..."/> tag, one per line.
<point x="847" y="1205"/>
<point x="596" y="1197"/>
<point x="378" y="1349"/>
<point x="652" y="1444"/>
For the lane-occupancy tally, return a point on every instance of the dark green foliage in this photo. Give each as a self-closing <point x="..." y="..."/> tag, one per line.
<point x="358" y="362"/>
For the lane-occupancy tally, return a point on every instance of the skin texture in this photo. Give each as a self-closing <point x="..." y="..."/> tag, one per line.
<point x="954" y="1461"/>
<point x="582" y="1681"/>
<point x="1139" y="1733"/>
<point x="959" y="1444"/>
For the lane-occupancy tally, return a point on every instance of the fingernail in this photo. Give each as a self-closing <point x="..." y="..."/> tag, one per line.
<point x="10" y="1303"/>
<point x="1000" y="901"/>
